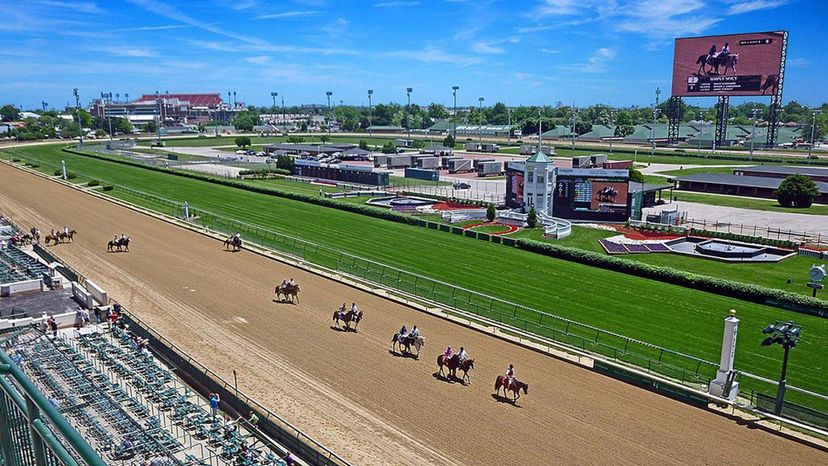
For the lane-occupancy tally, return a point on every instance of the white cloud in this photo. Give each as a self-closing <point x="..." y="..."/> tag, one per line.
<point x="596" y="63"/>
<point x="434" y="55"/>
<point x="80" y="7"/>
<point x="395" y="4"/>
<point x="259" y="59"/>
<point x="754" y="5"/>
<point x="549" y="51"/>
<point x="487" y="48"/>
<point x="667" y="18"/>
<point x="560" y="7"/>
<point x="152" y="28"/>
<point x="287" y="14"/>
<point x="124" y="51"/>
<point x="798" y="62"/>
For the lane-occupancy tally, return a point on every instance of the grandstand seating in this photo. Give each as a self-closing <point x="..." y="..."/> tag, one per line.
<point x="27" y="267"/>
<point x="130" y="407"/>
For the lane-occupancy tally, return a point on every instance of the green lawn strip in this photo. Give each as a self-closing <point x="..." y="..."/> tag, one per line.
<point x="694" y="171"/>
<point x="746" y="203"/>
<point x="662" y="314"/>
<point x="491" y="229"/>
<point x="581" y="237"/>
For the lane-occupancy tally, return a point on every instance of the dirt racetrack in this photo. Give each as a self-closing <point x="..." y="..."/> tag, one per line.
<point x="346" y="389"/>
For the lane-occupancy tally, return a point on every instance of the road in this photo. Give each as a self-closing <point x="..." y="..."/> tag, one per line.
<point x="346" y="389"/>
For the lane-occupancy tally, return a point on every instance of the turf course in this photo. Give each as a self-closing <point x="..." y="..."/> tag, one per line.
<point x="666" y="315"/>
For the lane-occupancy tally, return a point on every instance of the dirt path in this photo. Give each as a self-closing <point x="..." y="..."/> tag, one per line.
<point x="346" y="389"/>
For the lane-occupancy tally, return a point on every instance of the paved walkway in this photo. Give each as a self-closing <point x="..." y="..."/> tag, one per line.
<point x="657" y="169"/>
<point x="813" y="224"/>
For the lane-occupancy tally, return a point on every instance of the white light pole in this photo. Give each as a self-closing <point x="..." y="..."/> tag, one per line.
<point x="574" y="118"/>
<point x="454" y="117"/>
<point x="813" y="127"/>
<point x="77" y="109"/>
<point x="724" y="386"/>
<point x="329" y="94"/>
<point x="408" y="111"/>
<point x="370" y="114"/>
<point x="159" y="118"/>
<point x="612" y="128"/>
<point x="509" y="129"/>
<point x="480" y="130"/>
<point x="753" y="132"/>
<point x="655" y="115"/>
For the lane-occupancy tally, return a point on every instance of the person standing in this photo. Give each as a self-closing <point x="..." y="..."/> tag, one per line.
<point x="214" y="404"/>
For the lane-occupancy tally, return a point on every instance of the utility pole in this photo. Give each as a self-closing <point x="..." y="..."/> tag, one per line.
<point x="77" y="109"/>
<point x="574" y="117"/>
<point x="753" y="131"/>
<point x="509" y="129"/>
<point x="329" y="94"/>
<point x="370" y="114"/>
<point x="284" y="115"/>
<point x="235" y="101"/>
<point x="273" y="96"/>
<point x="158" y="117"/>
<point x="612" y="128"/>
<point x="813" y="127"/>
<point x="480" y="131"/>
<point x="408" y="111"/>
<point x="652" y="131"/>
<point x="454" y="117"/>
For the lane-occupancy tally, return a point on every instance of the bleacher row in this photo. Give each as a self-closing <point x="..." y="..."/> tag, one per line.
<point x="175" y="405"/>
<point x="632" y="248"/>
<point x="16" y="265"/>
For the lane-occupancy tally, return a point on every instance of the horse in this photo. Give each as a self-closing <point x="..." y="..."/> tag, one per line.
<point x="728" y="61"/>
<point x="515" y="387"/>
<point x="50" y="237"/>
<point x="289" y="291"/>
<point x="67" y="236"/>
<point x="234" y="243"/>
<point x="453" y="364"/>
<point x="35" y="234"/>
<point x="406" y="343"/>
<point x="121" y="243"/>
<point x="772" y="83"/>
<point x="347" y="318"/>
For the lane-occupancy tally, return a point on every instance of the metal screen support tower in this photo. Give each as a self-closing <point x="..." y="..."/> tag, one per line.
<point x="721" y="120"/>
<point x="776" y="98"/>
<point x="674" y="116"/>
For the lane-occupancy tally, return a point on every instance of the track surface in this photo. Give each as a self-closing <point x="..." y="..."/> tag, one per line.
<point x="346" y="389"/>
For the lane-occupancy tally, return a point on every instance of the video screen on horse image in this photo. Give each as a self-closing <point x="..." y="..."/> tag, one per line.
<point x="731" y="65"/>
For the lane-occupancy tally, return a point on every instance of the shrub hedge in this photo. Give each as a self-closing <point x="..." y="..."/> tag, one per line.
<point x="738" y="290"/>
<point x="733" y="289"/>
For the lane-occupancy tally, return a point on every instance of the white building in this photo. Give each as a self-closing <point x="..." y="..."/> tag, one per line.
<point x="539" y="183"/>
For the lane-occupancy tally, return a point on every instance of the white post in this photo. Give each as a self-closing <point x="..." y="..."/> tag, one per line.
<point x="63" y="169"/>
<point x="186" y="211"/>
<point x="719" y="386"/>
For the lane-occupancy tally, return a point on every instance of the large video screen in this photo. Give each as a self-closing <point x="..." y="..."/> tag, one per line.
<point x="591" y="198"/>
<point x="731" y="65"/>
<point x="514" y="187"/>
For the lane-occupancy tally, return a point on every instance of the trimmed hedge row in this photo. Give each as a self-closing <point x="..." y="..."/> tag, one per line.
<point x="733" y="289"/>
<point x="738" y="290"/>
<point x="265" y="171"/>
<point x="779" y="243"/>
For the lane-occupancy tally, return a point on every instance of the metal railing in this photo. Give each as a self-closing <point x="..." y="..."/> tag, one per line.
<point x="32" y="431"/>
<point x="815" y="239"/>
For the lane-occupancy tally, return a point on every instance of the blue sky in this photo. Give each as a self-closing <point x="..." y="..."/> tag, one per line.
<point x="515" y="51"/>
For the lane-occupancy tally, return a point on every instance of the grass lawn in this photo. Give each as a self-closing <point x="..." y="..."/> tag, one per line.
<point x="667" y="315"/>
<point x="491" y="229"/>
<point x="746" y="203"/>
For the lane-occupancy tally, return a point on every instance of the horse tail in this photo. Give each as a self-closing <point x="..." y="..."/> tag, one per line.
<point x="497" y="383"/>
<point x="395" y="337"/>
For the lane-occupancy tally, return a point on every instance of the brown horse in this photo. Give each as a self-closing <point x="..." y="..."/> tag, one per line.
<point x="233" y="243"/>
<point x="290" y="292"/>
<point x="453" y="364"/>
<point x="347" y="318"/>
<point x="53" y="238"/>
<point x="120" y="244"/>
<point x="406" y="343"/>
<point x="67" y="236"/>
<point x="515" y="386"/>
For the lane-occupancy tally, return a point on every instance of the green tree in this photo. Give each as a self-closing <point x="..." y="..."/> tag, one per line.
<point x="246" y="120"/>
<point x="419" y="143"/>
<point x="9" y="113"/>
<point x="389" y="148"/>
<point x="636" y="176"/>
<point x="285" y="162"/>
<point x="242" y="141"/>
<point x="797" y="191"/>
<point x="295" y="139"/>
<point x="820" y="129"/>
<point x="532" y="218"/>
<point x="449" y="141"/>
<point x="121" y="125"/>
<point x="363" y="144"/>
<point x="150" y="127"/>
<point x="324" y="138"/>
<point x="491" y="213"/>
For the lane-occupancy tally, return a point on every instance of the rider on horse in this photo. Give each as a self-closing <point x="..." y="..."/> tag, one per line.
<point x="415" y="332"/>
<point x="354" y="311"/>
<point x="403" y="332"/>
<point x="510" y="375"/>
<point x="462" y="355"/>
<point x="725" y="51"/>
<point x="448" y="354"/>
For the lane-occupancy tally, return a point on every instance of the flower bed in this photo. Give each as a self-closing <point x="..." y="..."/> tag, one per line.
<point x="505" y="228"/>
